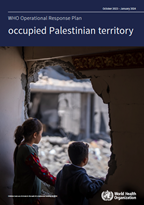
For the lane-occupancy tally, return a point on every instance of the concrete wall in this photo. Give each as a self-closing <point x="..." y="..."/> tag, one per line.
<point x="69" y="110"/>
<point x="101" y="117"/>
<point x="123" y="91"/>
<point x="11" y="115"/>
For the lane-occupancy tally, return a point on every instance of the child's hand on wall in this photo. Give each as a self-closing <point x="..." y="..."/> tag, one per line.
<point x="102" y="178"/>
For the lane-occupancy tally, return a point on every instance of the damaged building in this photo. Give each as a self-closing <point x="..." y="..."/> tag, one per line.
<point x="67" y="105"/>
<point x="117" y="76"/>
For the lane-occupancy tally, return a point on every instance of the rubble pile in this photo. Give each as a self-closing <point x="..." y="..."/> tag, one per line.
<point x="53" y="155"/>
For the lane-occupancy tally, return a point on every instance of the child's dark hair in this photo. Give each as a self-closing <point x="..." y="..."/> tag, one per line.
<point x="77" y="151"/>
<point x="26" y="131"/>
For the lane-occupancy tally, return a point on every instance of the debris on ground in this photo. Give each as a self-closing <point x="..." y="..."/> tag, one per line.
<point x="53" y="155"/>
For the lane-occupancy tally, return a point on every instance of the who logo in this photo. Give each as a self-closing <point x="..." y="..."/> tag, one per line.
<point x="107" y="195"/>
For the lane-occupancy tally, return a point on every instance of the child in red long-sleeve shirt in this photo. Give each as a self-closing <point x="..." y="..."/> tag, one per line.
<point x="27" y="167"/>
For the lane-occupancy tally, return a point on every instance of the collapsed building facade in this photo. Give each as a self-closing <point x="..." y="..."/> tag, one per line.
<point x="66" y="105"/>
<point x="116" y="74"/>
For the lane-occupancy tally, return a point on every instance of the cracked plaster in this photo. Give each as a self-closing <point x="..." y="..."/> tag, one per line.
<point x="32" y="73"/>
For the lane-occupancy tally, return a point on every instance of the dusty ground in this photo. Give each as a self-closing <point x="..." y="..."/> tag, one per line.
<point x="53" y="155"/>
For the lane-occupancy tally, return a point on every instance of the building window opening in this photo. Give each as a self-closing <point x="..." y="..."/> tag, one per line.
<point x="70" y="110"/>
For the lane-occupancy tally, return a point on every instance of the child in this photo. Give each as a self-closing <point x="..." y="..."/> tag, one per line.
<point x="27" y="167"/>
<point x="73" y="186"/>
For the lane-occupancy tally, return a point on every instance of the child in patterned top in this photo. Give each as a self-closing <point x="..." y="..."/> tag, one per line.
<point x="27" y="167"/>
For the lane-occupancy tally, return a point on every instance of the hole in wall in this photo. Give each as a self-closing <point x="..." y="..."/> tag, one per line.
<point x="70" y="110"/>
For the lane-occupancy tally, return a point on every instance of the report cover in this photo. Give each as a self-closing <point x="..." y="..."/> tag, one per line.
<point x="78" y="68"/>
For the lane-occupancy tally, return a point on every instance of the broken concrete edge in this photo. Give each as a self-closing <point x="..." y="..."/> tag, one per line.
<point x="32" y="69"/>
<point x="25" y="87"/>
<point x="112" y="164"/>
<point x="101" y="87"/>
<point x="67" y="66"/>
